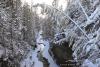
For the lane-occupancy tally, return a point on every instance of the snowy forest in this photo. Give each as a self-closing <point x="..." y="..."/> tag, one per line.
<point x="49" y="33"/>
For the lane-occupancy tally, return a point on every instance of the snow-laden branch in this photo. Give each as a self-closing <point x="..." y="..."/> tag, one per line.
<point x="71" y="20"/>
<point x="78" y="27"/>
<point x="95" y="13"/>
<point x="83" y="10"/>
<point x="60" y="41"/>
<point x="68" y="18"/>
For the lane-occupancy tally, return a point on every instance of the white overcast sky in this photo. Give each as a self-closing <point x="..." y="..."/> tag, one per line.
<point x="49" y="2"/>
<point x="62" y="3"/>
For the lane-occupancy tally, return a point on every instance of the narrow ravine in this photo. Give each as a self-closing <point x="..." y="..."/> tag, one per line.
<point x="32" y="59"/>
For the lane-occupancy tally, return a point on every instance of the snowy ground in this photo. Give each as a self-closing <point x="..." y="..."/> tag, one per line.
<point x="33" y="61"/>
<point x="47" y="55"/>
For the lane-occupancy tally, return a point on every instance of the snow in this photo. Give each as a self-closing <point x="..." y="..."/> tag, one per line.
<point x="1" y="52"/>
<point x="88" y="48"/>
<point x="98" y="62"/>
<point x="83" y="10"/>
<point x="28" y="62"/>
<point x="95" y="14"/>
<point x="40" y="42"/>
<point x="47" y="55"/>
<point x="73" y="22"/>
<point x="60" y="41"/>
<point x="62" y="4"/>
<point x="32" y="59"/>
<point x="95" y="2"/>
<point x="88" y="63"/>
<point x="39" y="38"/>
